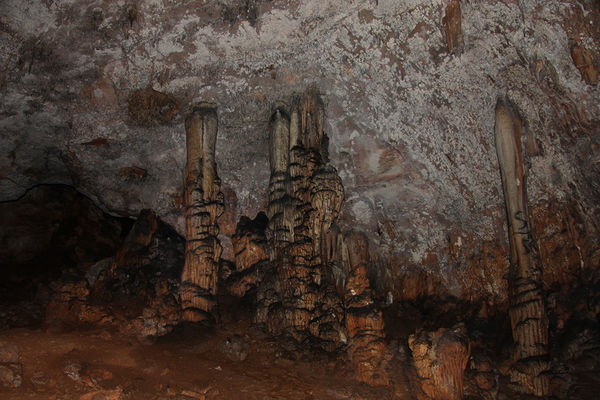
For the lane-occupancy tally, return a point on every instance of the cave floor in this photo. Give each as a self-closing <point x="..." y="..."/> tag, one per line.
<point x="190" y="363"/>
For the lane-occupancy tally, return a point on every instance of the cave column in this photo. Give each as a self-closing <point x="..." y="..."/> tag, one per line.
<point x="204" y="204"/>
<point x="527" y="310"/>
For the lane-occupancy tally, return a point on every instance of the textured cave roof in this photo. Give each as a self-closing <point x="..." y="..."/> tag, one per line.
<point x="410" y="125"/>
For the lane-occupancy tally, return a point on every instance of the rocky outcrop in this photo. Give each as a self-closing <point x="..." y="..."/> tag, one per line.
<point x="136" y="291"/>
<point x="204" y="204"/>
<point x="440" y="359"/>
<point x="11" y="370"/>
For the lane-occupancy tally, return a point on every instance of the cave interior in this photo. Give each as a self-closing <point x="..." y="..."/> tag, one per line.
<point x="266" y="199"/>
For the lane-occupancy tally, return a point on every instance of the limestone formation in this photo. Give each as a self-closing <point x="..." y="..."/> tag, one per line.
<point x="527" y="310"/>
<point x="316" y="287"/>
<point x="204" y="204"/>
<point x="305" y="197"/>
<point x="250" y="249"/>
<point x="453" y="26"/>
<point x="584" y="62"/>
<point x="441" y="358"/>
<point x="364" y="322"/>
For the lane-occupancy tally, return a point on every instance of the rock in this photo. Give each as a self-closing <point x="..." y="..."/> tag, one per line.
<point x="452" y="26"/>
<point x="583" y="60"/>
<point x="481" y="378"/>
<point x="250" y="249"/>
<point x="116" y="394"/>
<point x="73" y="370"/>
<point x="11" y="375"/>
<point x="440" y="359"/>
<point x="148" y="107"/>
<point x="95" y="270"/>
<point x="144" y="278"/>
<point x="9" y="353"/>
<point x="364" y="322"/>
<point x="236" y="348"/>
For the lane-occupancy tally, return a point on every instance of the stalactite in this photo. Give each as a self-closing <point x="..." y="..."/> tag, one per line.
<point x="204" y="204"/>
<point x="453" y="26"/>
<point x="527" y="309"/>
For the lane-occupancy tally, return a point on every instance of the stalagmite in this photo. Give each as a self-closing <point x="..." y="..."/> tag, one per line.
<point x="305" y="197"/>
<point x="440" y="359"/>
<point x="364" y="322"/>
<point x="204" y="204"/>
<point x="527" y="310"/>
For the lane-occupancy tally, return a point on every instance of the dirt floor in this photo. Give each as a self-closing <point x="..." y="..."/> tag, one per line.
<point x="191" y="363"/>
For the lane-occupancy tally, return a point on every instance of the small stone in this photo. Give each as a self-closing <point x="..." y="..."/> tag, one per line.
<point x="9" y="353"/>
<point x="73" y="371"/>
<point x="11" y="375"/>
<point x="236" y="348"/>
<point x="194" y="395"/>
<point x="39" y="378"/>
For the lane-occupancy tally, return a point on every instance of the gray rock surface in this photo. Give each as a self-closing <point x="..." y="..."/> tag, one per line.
<point x="410" y="125"/>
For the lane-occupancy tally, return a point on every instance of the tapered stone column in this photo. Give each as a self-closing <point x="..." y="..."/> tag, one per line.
<point x="204" y="204"/>
<point x="527" y="310"/>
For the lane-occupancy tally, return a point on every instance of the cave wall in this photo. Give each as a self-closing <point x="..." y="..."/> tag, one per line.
<point x="94" y="95"/>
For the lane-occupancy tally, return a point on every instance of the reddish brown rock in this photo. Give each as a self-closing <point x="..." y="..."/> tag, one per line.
<point x="148" y="107"/>
<point x="11" y="371"/>
<point x="250" y="249"/>
<point x="583" y="60"/>
<point x="364" y="322"/>
<point x="453" y="26"/>
<point x="441" y="358"/>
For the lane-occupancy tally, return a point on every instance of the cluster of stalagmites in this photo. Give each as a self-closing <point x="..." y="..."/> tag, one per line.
<point x="309" y="282"/>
